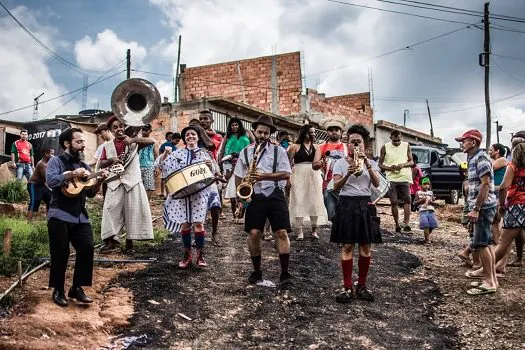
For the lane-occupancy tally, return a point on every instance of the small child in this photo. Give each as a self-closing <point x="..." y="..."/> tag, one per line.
<point x="424" y="201"/>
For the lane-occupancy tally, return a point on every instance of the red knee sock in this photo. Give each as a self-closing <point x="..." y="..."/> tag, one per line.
<point x="363" y="264"/>
<point x="347" y="266"/>
<point x="186" y="238"/>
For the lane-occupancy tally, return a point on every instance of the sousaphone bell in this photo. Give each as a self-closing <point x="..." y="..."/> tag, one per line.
<point x="135" y="102"/>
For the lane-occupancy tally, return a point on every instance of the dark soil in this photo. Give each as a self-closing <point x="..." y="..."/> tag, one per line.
<point x="228" y="313"/>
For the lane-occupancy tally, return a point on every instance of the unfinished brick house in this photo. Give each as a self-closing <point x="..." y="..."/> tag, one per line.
<point x="272" y="84"/>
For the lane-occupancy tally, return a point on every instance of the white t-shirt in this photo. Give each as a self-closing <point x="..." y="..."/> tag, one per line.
<point x="428" y="195"/>
<point x="355" y="186"/>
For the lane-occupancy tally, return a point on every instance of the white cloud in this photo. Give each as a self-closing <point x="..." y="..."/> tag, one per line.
<point x="24" y="70"/>
<point x="165" y="89"/>
<point x="333" y="35"/>
<point x="106" y="51"/>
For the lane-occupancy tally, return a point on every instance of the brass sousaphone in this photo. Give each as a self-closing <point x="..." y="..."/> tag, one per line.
<point x="135" y="102"/>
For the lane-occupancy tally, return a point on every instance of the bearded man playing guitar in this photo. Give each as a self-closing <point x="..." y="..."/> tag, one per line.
<point x="68" y="219"/>
<point x="126" y="201"/>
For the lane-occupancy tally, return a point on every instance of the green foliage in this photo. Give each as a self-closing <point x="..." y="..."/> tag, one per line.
<point x="29" y="240"/>
<point x="14" y="191"/>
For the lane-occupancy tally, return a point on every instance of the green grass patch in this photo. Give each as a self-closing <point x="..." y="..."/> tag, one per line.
<point x="14" y="191"/>
<point x="30" y="239"/>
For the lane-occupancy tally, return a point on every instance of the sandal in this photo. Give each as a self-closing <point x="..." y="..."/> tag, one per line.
<point x="515" y="263"/>
<point x="315" y="235"/>
<point x="481" y="290"/>
<point x="465" y="260"/>
<point x="470" y="274"/>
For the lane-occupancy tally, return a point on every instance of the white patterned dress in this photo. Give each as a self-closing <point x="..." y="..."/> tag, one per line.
<point x="191" y="209"/>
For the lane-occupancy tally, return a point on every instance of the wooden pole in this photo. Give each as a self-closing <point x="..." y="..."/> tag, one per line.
<point x="19" y="268"/>
<point x="8" y="237"/>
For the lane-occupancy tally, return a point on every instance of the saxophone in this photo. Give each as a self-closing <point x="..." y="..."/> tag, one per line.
<point x="245" y="189"/>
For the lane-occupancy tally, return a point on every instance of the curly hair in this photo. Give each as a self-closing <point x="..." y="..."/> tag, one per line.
<point x="518" y="155"/>
<point x="361" y="130"/>
<point x="241" y="131"/>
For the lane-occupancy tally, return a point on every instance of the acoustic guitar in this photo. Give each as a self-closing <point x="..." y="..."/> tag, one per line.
<point x="75" y="185"/>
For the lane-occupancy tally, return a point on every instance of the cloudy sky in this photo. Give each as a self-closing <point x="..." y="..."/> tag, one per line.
<point x="340" y="43"/>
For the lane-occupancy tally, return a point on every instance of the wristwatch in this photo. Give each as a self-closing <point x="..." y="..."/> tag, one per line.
<point x="475" y="208"/>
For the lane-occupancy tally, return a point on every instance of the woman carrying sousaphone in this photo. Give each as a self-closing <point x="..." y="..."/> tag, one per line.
<point x="355" y="220"/>
<point x="190" y="211"/>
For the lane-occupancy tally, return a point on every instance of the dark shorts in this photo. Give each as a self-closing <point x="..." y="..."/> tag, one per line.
<point x="514" y="216"/>
<point x="482" y="228"/>
<point x="399" y="191"/>
<point x="273" y="208"/>
<point x="38" y="193"/>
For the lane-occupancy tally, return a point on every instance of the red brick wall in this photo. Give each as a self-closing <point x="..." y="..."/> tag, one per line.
<point x="223" y="80"/>
<point x="331" y="106"/>
<point x="356" y="101"/>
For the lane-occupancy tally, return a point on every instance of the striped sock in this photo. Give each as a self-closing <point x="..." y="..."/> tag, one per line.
<point x="186" y="238"/>
<point x="199" y="239"/>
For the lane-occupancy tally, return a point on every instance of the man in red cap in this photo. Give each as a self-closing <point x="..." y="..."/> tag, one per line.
<point x="482" y="209"/>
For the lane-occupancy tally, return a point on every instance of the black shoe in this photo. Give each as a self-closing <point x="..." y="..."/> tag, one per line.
<point x="109" y="246"/>
<point x="78" y="293"/>
<point x="398" y="229"/>
<point x="255" y="277"/>
<point x="345" y="296"/>
<point x="285" y="279"/>
<point x="407" y="229"/>
<point x="362" y="293"/>
<point x="129" y="244"/>
<point x="59" y="298"/>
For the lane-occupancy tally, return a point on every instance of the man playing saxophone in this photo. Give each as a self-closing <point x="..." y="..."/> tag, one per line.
<point x="270" y="168"/>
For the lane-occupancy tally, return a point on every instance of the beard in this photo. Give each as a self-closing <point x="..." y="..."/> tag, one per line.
<point x="77" y="154"/>
<point x="334" y="138"/>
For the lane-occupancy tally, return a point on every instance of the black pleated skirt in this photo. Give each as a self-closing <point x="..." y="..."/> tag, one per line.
<point x="355" y="221"/>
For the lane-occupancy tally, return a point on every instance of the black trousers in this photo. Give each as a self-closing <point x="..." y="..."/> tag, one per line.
<point x="61" y="233"/>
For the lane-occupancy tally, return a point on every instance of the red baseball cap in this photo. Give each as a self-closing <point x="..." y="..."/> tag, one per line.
<point x="474" y="134"/>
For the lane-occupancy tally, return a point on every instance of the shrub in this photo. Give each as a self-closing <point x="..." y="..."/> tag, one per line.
<point x="14" y="191"/>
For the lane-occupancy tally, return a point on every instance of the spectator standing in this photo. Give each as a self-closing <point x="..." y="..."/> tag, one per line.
<point x="482" y="206"/>
<point x="168" y="143"/>
<point x="417" y="175"/>
<point x="396" y="160"/>
<point x="425" y="203"/>
<point x="499" y="165"/>
<point x="36" y="185"/>
<point x="147" y="156"/>
<point x="22" y="156"/>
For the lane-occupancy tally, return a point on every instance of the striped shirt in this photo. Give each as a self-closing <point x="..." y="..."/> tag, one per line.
<point x="479" y="165"/>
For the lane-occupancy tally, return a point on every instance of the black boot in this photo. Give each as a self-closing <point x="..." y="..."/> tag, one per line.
<point x="78" y="293"/>
<point x="59" y="298"/>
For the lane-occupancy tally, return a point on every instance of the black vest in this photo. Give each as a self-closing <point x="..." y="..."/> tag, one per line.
<point x="71" y="205"/>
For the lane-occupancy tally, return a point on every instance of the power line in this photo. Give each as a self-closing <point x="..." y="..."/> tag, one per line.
<point x="506" y="72"/>
<point x="509" y="57"/>
<point x="53" y="54"/>
<point x="398" y="12"/>
<point x="460" y="10"/>
<point x="66" y="94"/>
<point x="407" y="47"/>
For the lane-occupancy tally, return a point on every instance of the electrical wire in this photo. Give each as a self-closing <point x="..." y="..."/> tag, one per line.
<point x="70" y="65"/>
<point x="57" y="97"/>
<point x="407" y="47"/>
<point x="398" y="12"/>
<point x="505" y="71"/>
<point x="509" y="57"/>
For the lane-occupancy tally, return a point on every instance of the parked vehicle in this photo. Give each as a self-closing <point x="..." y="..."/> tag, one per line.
<point x="441" y="166"/>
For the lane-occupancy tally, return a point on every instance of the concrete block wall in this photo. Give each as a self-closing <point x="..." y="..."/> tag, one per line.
<point x="223" y="80"/>
<point x="360" y="101"/>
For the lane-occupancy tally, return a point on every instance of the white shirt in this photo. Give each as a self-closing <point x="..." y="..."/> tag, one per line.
<point x="264" y="165"/>
<point x="355" y="186"/>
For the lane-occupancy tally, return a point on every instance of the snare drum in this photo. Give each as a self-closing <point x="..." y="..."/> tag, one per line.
<point x="189" y="180"/>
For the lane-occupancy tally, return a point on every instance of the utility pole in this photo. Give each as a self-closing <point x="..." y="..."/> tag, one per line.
<point x="498" y="129"/>
<point x="484" y="60"/>
<point x="177" y="89"/>
<point x="405" y="115"/>
<point x="430" y="119"/>
<point x="128" y="63"/>
<point x="84" y="92"/>
<point x="35" y="109"/>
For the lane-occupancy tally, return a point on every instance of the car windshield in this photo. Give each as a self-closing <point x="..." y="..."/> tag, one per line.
<point x="422" y="155"/>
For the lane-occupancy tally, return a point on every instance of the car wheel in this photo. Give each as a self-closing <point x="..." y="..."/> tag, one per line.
<point x="453" y="198"/>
